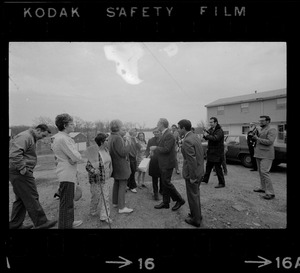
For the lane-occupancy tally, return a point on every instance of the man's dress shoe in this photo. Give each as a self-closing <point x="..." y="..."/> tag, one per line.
<point x="162" y="206"/>
<point x="191" y="222"/>
<point x="178" y="205"/>
<point x="48" y="224"/>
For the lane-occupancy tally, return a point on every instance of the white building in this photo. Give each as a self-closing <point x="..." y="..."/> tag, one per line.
<point x="235" y="113"/>
<point x="80" y="140"/>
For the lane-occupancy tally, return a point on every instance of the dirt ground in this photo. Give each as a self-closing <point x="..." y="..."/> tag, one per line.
<point x="232" y="207"/>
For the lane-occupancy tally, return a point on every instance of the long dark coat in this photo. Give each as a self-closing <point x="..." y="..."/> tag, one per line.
<point x="153" y="166"/>
<point x="215" y="148"/>
<point x="119" y="155"/>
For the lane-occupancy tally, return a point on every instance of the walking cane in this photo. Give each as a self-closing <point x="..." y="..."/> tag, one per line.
<point x="104" y="201"/>
<point x="92" y="155"/>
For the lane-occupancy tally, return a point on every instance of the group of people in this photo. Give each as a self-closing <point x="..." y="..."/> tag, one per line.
<point x="118" y="156"/>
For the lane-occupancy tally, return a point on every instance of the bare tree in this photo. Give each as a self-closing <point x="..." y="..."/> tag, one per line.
<point x="107" y="126"/>
<point x="129" y="125"/>
<point x="200" y="127"/>
<point x="99" y="126"/>
<point x="87" y="129"/>
<point x="79" y="124"/>
<point x="201" y="124"/>
<point x="45" y="120"/>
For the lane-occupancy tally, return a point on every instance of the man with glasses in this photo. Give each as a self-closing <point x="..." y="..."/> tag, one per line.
<point x="264" y="153"/>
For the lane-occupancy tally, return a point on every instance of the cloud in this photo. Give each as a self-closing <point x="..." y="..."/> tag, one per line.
<point x="126" y="57"/>
<point x="171" y="49"/>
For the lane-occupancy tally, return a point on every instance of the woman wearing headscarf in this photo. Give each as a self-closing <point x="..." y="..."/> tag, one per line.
<point x="98" y="178"/>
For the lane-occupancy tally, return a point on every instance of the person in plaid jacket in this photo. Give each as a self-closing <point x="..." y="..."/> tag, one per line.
<point x="98" y="179"/>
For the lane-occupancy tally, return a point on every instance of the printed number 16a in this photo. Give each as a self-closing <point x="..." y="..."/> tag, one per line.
<point x="287" y="262"/>
<point x="148" y="264"/>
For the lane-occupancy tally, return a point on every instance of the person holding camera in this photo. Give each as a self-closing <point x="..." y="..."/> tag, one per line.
<point x="264" y="153"/>
<point x="251" y="144"/>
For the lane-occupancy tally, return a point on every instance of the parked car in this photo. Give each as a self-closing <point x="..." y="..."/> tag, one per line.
<point x="238" y="150"/>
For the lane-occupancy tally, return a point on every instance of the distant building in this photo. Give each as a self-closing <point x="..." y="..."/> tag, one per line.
<point x="235" y="113"/>
<point x="80" y="140"/>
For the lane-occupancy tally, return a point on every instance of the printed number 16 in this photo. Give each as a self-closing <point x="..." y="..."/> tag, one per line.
<point x="149" y="264"/>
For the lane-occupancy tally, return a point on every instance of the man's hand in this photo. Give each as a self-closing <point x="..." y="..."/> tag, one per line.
<point x="23" y="171"/>
<point x="71" y="161"/>
<point x="205" y="134"/>
<point x="153" y="148"/>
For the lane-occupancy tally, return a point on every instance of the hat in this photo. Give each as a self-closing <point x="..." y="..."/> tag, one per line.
<point x="78" y="193"/>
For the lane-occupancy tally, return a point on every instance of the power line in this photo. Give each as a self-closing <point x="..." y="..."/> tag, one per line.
<point x="14" y="83"/>
<point x="170" y="75"/>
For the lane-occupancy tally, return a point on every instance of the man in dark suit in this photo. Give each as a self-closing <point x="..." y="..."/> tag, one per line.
<point x="215" y="151"/>
<point x="153" y="167"/>
<point x="192" y="171"/>
<point x="166" y="154"/>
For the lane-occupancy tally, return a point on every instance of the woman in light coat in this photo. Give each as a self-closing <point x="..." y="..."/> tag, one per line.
<point x="67" y="158"/>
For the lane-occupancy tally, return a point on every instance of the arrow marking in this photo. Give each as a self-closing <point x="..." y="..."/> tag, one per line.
<point x="123" y="263"/>
<point x="7" y="263"/>
<point x="263" y="263"/>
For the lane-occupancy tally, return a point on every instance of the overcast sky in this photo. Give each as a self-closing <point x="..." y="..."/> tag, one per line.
<point x="136" y="82"/>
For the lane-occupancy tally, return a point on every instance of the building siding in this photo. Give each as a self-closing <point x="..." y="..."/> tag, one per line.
<point x="233" y="114"/>
<point x="234" y="119"/>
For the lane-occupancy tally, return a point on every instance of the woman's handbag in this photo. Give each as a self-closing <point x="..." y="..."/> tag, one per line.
<point x="144" y="165"/>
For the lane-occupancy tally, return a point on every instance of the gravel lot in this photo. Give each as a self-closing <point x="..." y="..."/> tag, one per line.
<point x="232" y="207"/>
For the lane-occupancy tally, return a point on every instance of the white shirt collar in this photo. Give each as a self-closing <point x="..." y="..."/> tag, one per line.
<point x="163" y="131"/>
<point x="187" y="134"/>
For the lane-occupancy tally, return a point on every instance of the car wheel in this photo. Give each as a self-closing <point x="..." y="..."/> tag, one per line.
<point x="246" y="160"/>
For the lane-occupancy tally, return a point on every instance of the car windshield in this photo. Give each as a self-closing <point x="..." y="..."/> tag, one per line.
<point x="232" y="139"/>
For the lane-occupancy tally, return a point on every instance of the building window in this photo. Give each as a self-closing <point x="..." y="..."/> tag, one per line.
<point x="244" y="107"/>
<point x="245" y="129"/>
<point x="220" y="110"/>
<point x="281" y="135"/>
<point x="281" y="103"/>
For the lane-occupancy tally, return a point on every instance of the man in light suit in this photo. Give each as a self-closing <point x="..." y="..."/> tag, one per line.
<point x="264" y="154"/>
<point x="192" y="171"/>
<point x="166" y="155"/>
